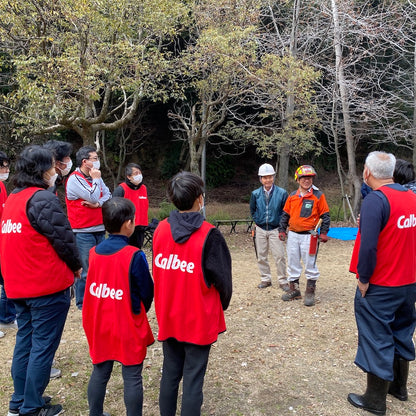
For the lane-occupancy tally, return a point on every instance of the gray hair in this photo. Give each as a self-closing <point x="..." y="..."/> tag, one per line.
<point x="381" y="164"/>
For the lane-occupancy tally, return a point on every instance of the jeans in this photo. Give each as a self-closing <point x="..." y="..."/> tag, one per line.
<point x="133" y="388"/>
<point x="40" y="323"/>
<point x="7" y="309"/>
<point x="85" y="242"/>
<point x="189" y="361"/>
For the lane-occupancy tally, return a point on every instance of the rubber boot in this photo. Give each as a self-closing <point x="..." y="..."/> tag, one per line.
<point x="310" y="293"/>
<point x="294" y="292"/>
<point x="398" y="387"/>
<point x="374" y="398"/>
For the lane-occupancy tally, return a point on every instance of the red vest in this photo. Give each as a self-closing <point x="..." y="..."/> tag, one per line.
<point x="29" y="264"/>
<point x="186" y="309"/>
<point x="140" y="201"/>
<point x="113" y="331"/>
<point x="3" y="197"/>
<point x="396" y="247"/>
<point x="79" y="215"/>
<point x="354" y="255"/>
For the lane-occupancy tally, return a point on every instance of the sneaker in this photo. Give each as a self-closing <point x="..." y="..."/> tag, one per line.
<point x="12" y="412"/>
<point x="263" y="285"/>
<point x="10" y="325"/>
<point x="55" y="373"/>
<point x="294" y="292"/>
<point x="1" y="334"/>
<point x="50" y="410"/>
<point x="106" y="414"/>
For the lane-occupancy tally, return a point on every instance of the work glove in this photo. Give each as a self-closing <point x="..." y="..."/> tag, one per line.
<point x="282" y="236"/>
<point x="323" y="238"/>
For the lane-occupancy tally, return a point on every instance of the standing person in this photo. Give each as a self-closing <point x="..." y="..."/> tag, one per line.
<point x="134" y="190"/>
<point x="86" y="192"/>
<point x="301" y="214"/>
<point x="39" y="261"/>
<point x="266" y="207"/>
<point x="119" y="293"/>
<point x="7" y="309"/>
<point x="63" y="163"/>
<point x="404" y="174"/>
<point x="193" y="286"/>
<point x="386" y="293"/>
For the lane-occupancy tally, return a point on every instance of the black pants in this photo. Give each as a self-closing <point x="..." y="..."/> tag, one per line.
<point x="133" y="388"/>
<point x="137" y="238"/>
<point x="185" y="360"/>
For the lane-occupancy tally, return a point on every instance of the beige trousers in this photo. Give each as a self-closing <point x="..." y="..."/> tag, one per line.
<point x="265" y="241"/>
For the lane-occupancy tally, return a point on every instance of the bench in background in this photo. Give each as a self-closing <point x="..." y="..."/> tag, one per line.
<point x="233" y="223"/>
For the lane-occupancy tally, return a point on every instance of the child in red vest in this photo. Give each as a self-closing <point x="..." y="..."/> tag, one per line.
<point x="118" y="293"/>
<point x="192" y="272"/>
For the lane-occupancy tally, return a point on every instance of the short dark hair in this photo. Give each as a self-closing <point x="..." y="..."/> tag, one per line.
<point x="84" y="153"/>
<point x="4" y="158"/>
<point x="404" y="172"/>
<point x="184" y="188"/>
<point x="60" y="149"/>
<point x="31" y="164"/>
<point x="116" y="211"/>
<point x="130" y="167"/>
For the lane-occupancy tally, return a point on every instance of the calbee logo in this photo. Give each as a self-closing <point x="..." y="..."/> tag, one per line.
<point x="408" y="222"/>
<point x="9" y="227"/>
<point x="174" y="263"/>
<point x="103" y="291"/>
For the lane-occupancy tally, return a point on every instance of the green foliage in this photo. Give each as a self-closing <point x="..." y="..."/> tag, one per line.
<point x="219" y="171"/>
<point x="172" y="161"/>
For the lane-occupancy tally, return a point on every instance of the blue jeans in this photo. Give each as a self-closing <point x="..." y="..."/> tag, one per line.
<point x="85" y="242"/>
<point x="40" y="324"/>
<point x="7" y="309"/>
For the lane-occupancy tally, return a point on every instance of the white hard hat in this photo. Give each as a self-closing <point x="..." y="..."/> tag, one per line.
<point x="265" y="170"/>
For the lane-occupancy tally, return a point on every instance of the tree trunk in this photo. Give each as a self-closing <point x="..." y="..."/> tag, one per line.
<point x="339" y="69"/>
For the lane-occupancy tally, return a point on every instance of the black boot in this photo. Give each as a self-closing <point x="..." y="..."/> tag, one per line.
<point x="374" y="398"/>
<point x="398" y="387"/>
<point x="310" y="293"/>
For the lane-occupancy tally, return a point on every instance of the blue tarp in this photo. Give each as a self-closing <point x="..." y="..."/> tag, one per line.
<point x="343" y="233"/>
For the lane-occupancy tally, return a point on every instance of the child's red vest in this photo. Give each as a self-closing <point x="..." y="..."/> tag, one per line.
<point x="81" y="216"/>
<point x="29" y="264"/>
<point x="3" y="197"/>
<point x="113" y="331"/>
<point x="140" y="201"/>
<point x="186" y="309"/>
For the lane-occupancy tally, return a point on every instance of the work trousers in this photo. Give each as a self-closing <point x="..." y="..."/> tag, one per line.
<point x="386" y="321"/>
<point x="40" y="324"/>
<point x="133" y="388"/>
<point x="85" y="242"/>
<point x="265" y="241"/>
<point x="187" y="361"/>
<point x="297" y="252"/>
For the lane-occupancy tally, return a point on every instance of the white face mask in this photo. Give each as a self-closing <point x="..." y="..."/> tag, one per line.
<point x="137" y="179"/>
<point x="67" y="169"/>
<point x="4" y="176"/>
<point x="51" y="180"/>
<point x="96" y="164"/>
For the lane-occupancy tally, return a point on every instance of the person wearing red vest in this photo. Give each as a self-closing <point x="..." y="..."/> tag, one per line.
<point x="118" y="294"/>
<point x="134" y="190"/>
<point x="193" y="286"/>
<point x="386" y="293"/>
<point x="39" y="260"/>
<point x="7" y="309"/>
<point x="85" y="194"/>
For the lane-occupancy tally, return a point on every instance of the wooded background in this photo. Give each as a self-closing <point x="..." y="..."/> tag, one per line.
<point x="289" y="81"/>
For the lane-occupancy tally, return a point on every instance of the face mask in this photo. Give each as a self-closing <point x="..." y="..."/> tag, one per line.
<point x="65" y="171"/>
<point x="137" y="179"/>
<point x="51" y="180"/>
<point x="4" y="176"/>
<point x="96" y="164"/>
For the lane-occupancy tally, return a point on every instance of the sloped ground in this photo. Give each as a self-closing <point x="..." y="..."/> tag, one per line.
<point x="276" y="358"/>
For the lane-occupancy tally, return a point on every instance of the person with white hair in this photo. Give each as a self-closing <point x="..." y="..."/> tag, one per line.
<point x="386" y="287"/>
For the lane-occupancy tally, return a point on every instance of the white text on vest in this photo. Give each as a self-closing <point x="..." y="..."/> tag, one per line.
<point x="172" y="262"/>
<point x="404" y="222"/>
<point x="103" y="291"/>
<point x="8" y="227"/>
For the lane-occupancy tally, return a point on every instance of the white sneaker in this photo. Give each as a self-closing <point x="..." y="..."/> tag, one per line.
<point x="1" y="334"/>
<point x="10" y="325"/>
<point x="55" y="373"/>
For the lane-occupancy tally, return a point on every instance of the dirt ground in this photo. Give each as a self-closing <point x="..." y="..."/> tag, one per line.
<point x="276" y="358"/>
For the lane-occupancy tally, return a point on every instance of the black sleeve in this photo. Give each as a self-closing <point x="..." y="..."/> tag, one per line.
<point x="284" y="222"/>
<point x="216" y="264"/>
<point x="119" y="191"/>
<point x="141" y="283"/>
<point x="47" y="217"/>
<point x="326" y="221"/>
